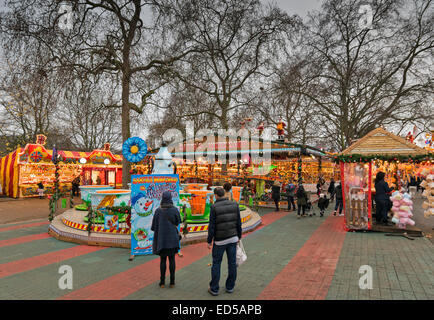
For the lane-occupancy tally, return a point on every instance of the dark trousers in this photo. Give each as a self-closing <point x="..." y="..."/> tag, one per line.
<point x="301" y="207"/>
<point x="339" y="204"/>
<point x="276" y="202"/>
<point x="217" y="256"/>
<point x="291" y="202"/>
<point x="172" y="268"/>
<point x="381" y="211"/>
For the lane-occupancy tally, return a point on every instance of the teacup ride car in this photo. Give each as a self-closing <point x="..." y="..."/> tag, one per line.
<point x="86" y="192"/>
<point x="101" y="200"/>
<point x="236" y="195"/>
<point x="197" y="205"/>
<point x="186" y="187"/>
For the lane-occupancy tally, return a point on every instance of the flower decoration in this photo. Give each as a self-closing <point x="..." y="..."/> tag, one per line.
<point x="134" y="149"/>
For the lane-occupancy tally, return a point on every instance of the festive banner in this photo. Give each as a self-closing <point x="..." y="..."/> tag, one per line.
<point x="146" y="193"/>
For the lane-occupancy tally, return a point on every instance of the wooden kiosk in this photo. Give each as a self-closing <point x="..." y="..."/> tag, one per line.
<point x="379" y="150"/>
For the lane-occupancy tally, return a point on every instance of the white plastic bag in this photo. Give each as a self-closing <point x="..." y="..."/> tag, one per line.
<point x="241" y="254"/>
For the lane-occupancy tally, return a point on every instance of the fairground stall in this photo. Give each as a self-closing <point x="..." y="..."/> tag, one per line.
<point x="24" y="168"/>
<point x="304" y="164"/>
<point x="383" y="151"/>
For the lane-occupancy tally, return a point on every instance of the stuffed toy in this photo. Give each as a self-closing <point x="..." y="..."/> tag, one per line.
<point x="402" y="209"/>
<point x="428" y="183"/>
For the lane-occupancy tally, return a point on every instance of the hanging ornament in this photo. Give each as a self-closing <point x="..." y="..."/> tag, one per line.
<point x="134" y="149"/>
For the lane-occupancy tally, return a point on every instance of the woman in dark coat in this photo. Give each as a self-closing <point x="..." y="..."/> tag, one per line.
<point x="301" y="200"/>
<point x="382" y="198"/>
<point x="275" y="194"/>
<point x="166" y="236"/>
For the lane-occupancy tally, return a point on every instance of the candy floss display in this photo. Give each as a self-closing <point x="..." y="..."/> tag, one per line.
<point x="402" y="209"/>
<point x="428" y="193"/>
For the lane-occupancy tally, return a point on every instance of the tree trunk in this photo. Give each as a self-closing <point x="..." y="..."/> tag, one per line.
<point x="126" y="166"/>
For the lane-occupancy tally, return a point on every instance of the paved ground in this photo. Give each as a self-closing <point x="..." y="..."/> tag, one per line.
<point x="16" y="210"/>
<point x="288" y="258"/>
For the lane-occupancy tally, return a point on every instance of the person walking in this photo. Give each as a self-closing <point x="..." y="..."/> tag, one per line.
<point x="227" y="187"/>
<point x="224" y="232"/>
<point x="339" y="199"/>
<point x="275" y="194"/>
<point x="166" y="236"/>
<point x="382" y="198"/>
<point x="40" y="190"/>
<point x="323" y="203"/>
<point x="318" y="188"/>
<point x="331" y="188"/>
<point x="290" y="193"/>
<point x="301" y="201"/>
<point x="75" y="186"/>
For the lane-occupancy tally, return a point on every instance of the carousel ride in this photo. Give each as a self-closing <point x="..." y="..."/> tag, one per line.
<point x="104" y="217"/>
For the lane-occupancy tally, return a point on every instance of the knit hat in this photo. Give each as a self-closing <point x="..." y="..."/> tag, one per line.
<point x="167" y="197"/>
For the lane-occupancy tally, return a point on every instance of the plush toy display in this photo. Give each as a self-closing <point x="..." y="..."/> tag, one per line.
<point x="402" y="209"/>
<point x="428" y="193"/>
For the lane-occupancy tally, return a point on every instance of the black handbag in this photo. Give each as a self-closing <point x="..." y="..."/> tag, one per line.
<point x="170" y="221"/>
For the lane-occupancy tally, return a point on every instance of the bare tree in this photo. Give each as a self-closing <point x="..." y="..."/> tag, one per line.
<point x="364" y="77"/>
<point x="108" y="37"/>
<point x="87" y="124"/>
<point x="237" y="39"/>
<point x="29" y="97"/>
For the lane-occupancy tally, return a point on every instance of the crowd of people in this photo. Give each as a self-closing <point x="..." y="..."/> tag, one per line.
<point x="298" y="197"/>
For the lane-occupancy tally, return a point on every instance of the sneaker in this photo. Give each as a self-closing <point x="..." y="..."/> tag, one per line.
<point x="212" y="292"/>
<point x="341" y="214"/>
<point x="229" y="291"/>
<point x="172" y="285"/>
<point x="334" y="213"/>
<point x="298" y="216"/>
<point x="161" y="285"/>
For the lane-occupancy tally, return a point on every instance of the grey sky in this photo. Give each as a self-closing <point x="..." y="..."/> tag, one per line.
<point x="300" y="7"/>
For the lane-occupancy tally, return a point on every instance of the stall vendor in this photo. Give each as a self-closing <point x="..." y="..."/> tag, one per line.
<point x="382" y="198"/>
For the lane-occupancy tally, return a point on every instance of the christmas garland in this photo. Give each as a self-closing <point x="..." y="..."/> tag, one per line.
<point x="119" y="210"/>
<point x="383" y="157"/>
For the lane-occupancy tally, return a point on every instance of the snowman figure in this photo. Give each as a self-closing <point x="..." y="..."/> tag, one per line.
<point x="164" y="163"/>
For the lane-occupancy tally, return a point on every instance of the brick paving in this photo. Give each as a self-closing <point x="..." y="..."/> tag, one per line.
<point x="309" y="273"/>
<point x="24" y="226"/>
<point x="288" y="258"/>
<point x="24" y="239"/>
<point x="134" y="279"/>
<point x="268" y="250"/>
<point x="22" y="265"/>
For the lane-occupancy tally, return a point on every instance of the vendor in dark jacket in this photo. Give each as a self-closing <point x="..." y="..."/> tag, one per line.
<point x="382" y="198"/>
<point x="225" y="230"/>
<point x="166" y="236"/>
